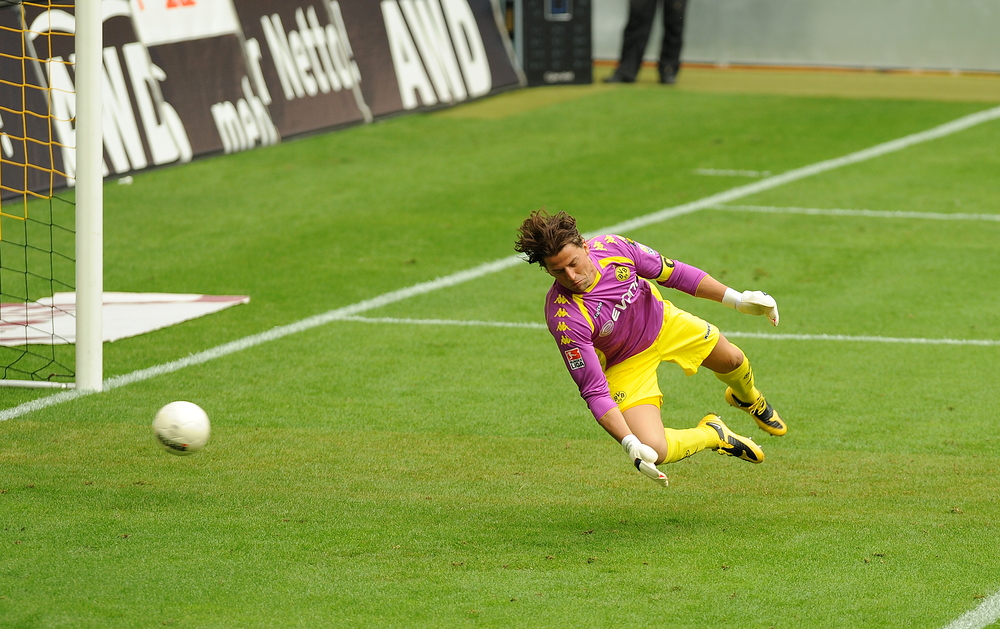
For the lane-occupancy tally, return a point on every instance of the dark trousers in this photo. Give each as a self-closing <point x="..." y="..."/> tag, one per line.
<point x="636" y="36"/>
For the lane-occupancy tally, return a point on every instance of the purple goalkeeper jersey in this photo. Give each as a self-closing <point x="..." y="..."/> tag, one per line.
<point x="619" y="316"/>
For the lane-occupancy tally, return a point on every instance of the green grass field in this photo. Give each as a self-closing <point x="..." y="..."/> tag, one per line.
<point x="392" y="472"/>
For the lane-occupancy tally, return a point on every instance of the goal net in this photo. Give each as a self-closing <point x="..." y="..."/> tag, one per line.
<point x="38" y="207"/>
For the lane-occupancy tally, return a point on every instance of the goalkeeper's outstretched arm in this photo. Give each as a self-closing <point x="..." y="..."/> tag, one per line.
<point x="693" y="281"/>
<point x="751" y="302"/>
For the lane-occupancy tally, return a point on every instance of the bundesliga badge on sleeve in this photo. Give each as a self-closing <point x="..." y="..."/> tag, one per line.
<point x="574" y="358"/>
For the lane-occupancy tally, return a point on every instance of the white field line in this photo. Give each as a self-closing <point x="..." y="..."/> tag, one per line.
<point x="722" y="172"/>
<point x="776" y="181"/>
<point x="769" y="336"/>
<point x="733" y="194"/>
<point x="938" y="216"/>
<point x="984" y="615"/>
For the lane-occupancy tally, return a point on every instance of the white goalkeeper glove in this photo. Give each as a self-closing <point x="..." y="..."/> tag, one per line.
<point x="644" y="459"/>
<point x="752" y="302"/>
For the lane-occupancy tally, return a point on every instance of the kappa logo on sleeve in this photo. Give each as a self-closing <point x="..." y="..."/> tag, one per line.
<point x="574" y="358"/>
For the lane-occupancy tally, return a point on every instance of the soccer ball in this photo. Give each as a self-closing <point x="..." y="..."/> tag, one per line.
<point x="181" y="427"/>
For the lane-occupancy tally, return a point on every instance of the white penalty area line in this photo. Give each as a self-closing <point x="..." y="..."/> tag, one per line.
<point x="734" y="335"/>
<point x="482" y="270"/>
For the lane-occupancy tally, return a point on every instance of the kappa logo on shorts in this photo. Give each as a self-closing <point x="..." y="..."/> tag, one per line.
<point x="619" y="397"/>
<point x="574" y="358"/>
<point x="708" y="331"/>
<point x="622" y="273"/>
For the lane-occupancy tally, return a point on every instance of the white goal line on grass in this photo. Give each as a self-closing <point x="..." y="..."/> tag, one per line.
<point x="770" y="336"/>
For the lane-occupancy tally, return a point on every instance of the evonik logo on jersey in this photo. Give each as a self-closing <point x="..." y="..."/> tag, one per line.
<point x="627" y="299"/>
<point x="620" y="307"/>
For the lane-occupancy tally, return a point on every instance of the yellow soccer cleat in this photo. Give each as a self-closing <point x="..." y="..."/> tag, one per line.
<point x="762" y="412"/>
<point x="730" y="443"/>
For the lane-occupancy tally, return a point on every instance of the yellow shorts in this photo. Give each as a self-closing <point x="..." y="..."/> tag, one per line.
<point x="684" y="339"/>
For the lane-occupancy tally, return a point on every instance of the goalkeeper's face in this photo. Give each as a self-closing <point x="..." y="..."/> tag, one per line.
<point x="572" y="267"/>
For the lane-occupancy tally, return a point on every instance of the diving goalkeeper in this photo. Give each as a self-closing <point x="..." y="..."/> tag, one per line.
<point x="613" y="328"/>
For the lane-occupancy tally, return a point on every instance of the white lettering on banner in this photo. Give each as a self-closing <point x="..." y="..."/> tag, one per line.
<point x="450" y="49"/>
<point x="312" y="63"/>
<point x="314" y="59"/>
<point x="431" y="34"/>
<point x="121" y="134"/>
<point x="277" y="42"/>
<point x="340" y="48"/>
<point x="164" y="132"/>
<point x="242" y="125"/>
<point x="410" y="74"/>
<point x="168" y="142"/>
<point x="253" y="60"/>
<point x="469" y="46"/>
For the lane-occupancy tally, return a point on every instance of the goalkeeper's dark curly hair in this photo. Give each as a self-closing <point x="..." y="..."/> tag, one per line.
<point x="542" y="235"/>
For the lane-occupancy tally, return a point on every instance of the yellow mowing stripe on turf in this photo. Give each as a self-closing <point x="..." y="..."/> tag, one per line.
<point x="353" y="310"/>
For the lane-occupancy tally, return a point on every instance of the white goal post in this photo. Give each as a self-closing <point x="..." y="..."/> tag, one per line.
<point x="89" y="197"/>
<point x="47" y="251"/>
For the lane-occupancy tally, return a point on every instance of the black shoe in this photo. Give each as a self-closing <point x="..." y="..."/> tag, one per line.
<point x="668" y="76"/>
<point x="731" y="444"/>
<point x="762" y="412"/>
<point x="617" y="78"/>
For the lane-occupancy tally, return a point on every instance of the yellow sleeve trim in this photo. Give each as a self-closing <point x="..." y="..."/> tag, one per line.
<point x="668" y="269"/>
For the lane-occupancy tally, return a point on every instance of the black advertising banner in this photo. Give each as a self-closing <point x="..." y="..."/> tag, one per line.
<point x="302" y="57"/>
<point x="184" y="78"/>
